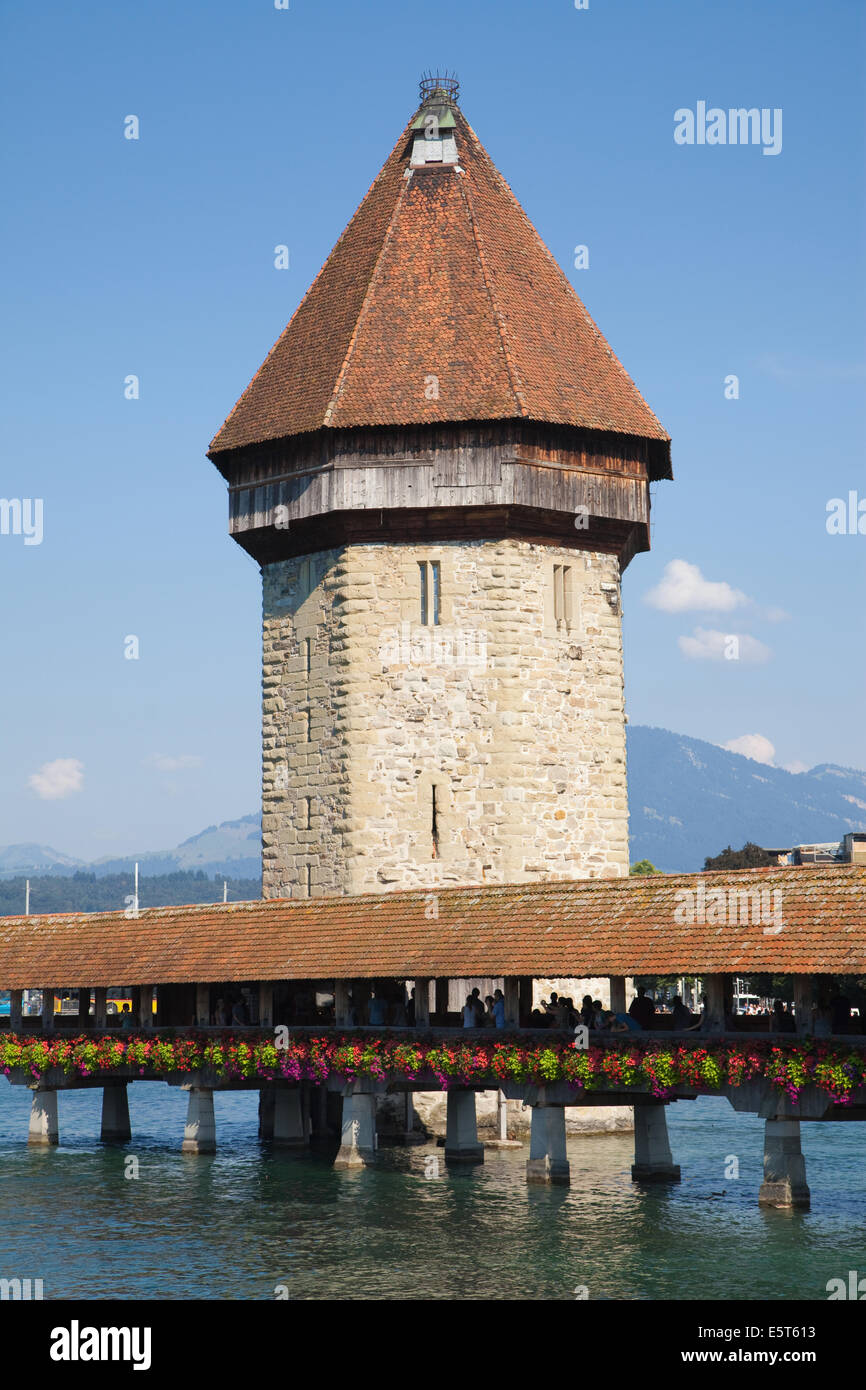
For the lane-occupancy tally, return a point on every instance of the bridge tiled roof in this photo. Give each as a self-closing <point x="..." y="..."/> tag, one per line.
<point x="815" y="923"/>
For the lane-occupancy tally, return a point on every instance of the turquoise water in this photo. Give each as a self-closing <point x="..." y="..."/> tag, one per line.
<point x="242" y="1223"/>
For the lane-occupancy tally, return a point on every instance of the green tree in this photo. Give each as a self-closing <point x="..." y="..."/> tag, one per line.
<point x="643" y="866"/>
<point x="751" y="856"/>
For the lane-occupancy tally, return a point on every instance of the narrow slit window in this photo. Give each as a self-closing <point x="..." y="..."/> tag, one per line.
<point x="309" y="725"/>
<point x="422" y="566"/>
<point x="430" y="592"/>
<point x="308" y="654"/>
<point x="566" y="595"/>
<point x="308" y="800"/>
<point x="434" y="822"/>
<point x="309" y="880"/>
<point x="562" y="595"/>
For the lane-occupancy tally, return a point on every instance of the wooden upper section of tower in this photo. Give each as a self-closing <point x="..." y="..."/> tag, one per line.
<point x="440" y="330"/>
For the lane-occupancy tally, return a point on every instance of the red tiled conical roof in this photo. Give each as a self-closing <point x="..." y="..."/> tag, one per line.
<point x="440" y="274"/>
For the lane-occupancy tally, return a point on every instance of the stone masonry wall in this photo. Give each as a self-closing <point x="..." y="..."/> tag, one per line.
<point x="514" y="717"/>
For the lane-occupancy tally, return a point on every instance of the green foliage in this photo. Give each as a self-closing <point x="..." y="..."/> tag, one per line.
<point x="751" y="856"/>
<point x="84" y="892"/>
<point x="644" y="866"/>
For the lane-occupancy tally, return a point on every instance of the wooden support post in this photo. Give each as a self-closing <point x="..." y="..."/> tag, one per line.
<point x="512" y="1001"/>
<point x="341" y="1003"/>
<point x="266" y="1004"/>
<point x="202" y="1005"/>
<point x="714" y="988"/>
<point x="145" y="1006"/>
<point x="47" y="1010"/>
<point x="525" y="999"/>
<point x="422" y="1003"/>
<point x="803" y="1002"/>
<point x="84" y="1008"/>
<point x="441" y="996"/>
<point x="16" y="1003"/>
<point x="100" y="1009"/>
<point x="617" y="994"/>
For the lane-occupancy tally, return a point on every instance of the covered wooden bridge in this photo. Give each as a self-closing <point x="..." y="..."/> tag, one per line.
<point x="296" y="970"/>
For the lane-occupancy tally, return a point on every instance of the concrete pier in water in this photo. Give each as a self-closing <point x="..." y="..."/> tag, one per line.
<point x="199" y="1135"/>
<point x="44" y="1130"/>
<point x="548" y="1157"/>
<point x="358" y="1137"/>
<point x="784" y="1182"/>
<point x="461" y="1129"/>
<point x="115" y="1128"/>
<point x="653" y="1160"/>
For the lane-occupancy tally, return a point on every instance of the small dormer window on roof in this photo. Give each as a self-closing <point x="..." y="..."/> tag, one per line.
<point x="434" y="141"/>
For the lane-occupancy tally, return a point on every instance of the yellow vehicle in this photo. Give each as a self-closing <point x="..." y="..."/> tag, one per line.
<point x="67" y="1004"/>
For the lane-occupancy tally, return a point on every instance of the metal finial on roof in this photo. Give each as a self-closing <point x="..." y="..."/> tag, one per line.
<point x="439" y="86"/>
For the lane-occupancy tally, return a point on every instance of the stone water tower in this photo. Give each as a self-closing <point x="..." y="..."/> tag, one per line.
<point x="442" y="470"/>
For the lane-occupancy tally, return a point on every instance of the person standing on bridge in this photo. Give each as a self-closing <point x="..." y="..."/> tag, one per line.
<point x="642" y="1009"/>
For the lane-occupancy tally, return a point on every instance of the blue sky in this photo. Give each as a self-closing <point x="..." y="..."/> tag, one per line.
<point x="261" y="126"/>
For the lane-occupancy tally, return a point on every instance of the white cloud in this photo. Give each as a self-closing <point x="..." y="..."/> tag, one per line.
<point x="803" y="371"/>
<point x="796" y="766"/>
<point x="683" y="587"/>
<point x="163" y="762"/>
<point x="753" y="746"/>
<point x="52" y="781"/>
<point x="774" y="615"/>
<point x="706" y="644"/>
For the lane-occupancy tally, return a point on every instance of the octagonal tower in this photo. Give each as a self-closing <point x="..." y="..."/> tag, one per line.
<point x="443" y="470"/>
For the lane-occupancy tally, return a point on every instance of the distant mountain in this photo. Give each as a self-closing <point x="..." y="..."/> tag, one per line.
<point x="689" y="799"/>
<point x="35" y="859"/>
<point x="232" y="849"/>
